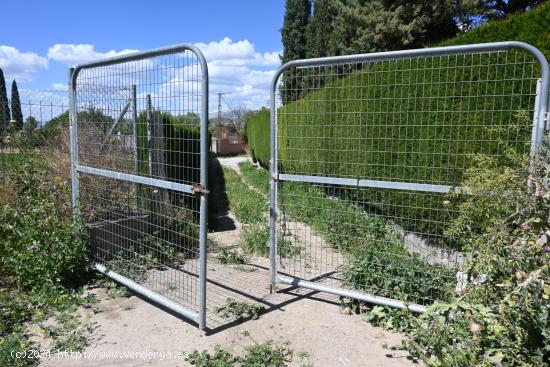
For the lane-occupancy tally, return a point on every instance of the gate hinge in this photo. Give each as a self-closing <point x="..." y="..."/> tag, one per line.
<point x="199" y="190"/>
<point x="275" y="177"/>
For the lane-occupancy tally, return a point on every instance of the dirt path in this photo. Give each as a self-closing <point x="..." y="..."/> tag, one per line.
<point x="311" y="322"/>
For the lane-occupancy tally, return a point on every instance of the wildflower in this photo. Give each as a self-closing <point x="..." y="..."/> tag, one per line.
<point x="521" y="275"/>
<point x="543" y="240"/>
<point x="475" y="328"/>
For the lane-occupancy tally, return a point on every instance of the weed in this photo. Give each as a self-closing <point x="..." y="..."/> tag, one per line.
<point x="266" y="354"/>
<point x="68" y="332"/>
<point x="43" y="262"/>
<point x="255" y="241"/>
<point x="230" y="257"/>
<point x="248" y="206"/>
<point x="16" y="341"/>
<point x="113" y="288"/>
<point x="239" y="310"/>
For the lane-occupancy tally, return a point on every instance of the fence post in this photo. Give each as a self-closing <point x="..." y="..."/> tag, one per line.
<point x="150" y="146"/>
<point x="74" y="145"/>
<point x="135" y="142"/>
<point x="203" y="220"/>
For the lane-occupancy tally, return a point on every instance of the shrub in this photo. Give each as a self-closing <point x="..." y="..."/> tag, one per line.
<point x="321" y="134"/>
<point x="41" y="247"/>
<point x="181" y="145"/>
<point x="43" y="262"/>
<point x="501" y="317"/>
<point x="258" y="131"/>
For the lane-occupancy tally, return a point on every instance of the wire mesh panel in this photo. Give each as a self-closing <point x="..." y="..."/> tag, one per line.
<point x="366" y="150"/>
<point x="139" y="133"/>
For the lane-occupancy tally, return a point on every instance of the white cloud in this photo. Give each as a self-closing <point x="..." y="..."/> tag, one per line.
<point x="59" y="86"/>
<point x="237" y="67"/>
<point x="237" y="53"/>
<point x="73" y="54"/>
<point x="20" y="65"/>
<point x="234" y="66"/>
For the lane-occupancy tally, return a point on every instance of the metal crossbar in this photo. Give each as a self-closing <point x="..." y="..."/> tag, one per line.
<point x="139" y="146"/>
<point x="366" y="148"/>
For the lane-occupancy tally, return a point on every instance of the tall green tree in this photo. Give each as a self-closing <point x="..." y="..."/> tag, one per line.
<point x="293" y="34"/>
<point x="16" y="113"/>
<point x="4" y="106"/>
<point x="382" y="25"/>
<point x="319" y="28"/>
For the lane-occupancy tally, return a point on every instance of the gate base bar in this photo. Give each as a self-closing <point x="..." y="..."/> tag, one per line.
<point x="377" y="300"/>
<point x="147" y="293"/>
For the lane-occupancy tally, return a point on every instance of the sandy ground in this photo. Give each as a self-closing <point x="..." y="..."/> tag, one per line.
<point x="308" y="321"/>
<point x="133" y="332"/>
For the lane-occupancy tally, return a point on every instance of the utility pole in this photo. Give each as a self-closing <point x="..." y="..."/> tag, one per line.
<point x="219" y="123"/>
<point x="219" y="109"/>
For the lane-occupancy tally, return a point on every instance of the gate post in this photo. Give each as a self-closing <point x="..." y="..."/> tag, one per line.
<point x="74" y="145"/>
<point x="203" y="220"/>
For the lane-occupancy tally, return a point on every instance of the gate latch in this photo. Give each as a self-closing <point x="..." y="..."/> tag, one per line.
<point x="199" y="190"/>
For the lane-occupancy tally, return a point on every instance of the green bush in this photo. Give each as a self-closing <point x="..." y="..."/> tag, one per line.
<point x="409" y="135"/>
<point x="502" y="316"/>
<point x="257" y="133"/>
<point x="41" y="247"/>
<point x="43" y="261"/>
<point x="181" y="149"/>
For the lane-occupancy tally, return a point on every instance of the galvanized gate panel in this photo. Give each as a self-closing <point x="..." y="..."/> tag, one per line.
<point x="366" y="148"/>
<point x="139" y="135"/>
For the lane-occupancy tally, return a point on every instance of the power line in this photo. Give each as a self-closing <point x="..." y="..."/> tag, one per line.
<point x="252" y="86"/>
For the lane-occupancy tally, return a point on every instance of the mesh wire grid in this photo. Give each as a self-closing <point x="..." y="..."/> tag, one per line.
<point x="414" y="120"/>
<point x="142" y="118"/>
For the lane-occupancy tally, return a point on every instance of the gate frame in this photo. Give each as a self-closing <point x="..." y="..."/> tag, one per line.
<point x="200" y="316"/>
<point x="540" y="120"/>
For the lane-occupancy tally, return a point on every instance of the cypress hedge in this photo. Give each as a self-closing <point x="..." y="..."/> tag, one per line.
<point x="426" y="118"/>
<point x="257" y="133"/>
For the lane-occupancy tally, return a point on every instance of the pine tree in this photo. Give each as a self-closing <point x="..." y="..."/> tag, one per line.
<point x="16" y="113"/>
<point x="4" y="106"/>
<point x="293" y="36"/>
<point x="382" y="25"/>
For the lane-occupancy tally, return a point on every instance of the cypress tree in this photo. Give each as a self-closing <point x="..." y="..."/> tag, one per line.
<point x="4" y="107"/>
<point x="16" y="113"/>
<point x="319" y="29"/>
<point x="293" y="34"/>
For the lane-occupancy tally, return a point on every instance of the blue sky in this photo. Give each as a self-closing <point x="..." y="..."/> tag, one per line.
<point x="41" y="39"/>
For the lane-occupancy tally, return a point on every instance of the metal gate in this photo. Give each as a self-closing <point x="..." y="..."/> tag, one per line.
<point x="139" y="131"/>
<point x="366" y="148"/>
